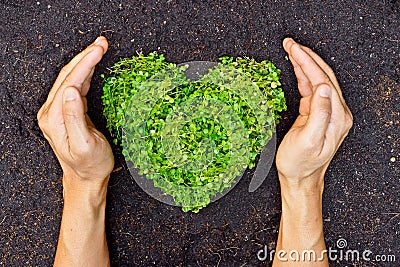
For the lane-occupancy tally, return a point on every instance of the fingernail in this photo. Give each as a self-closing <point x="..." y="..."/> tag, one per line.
<point x="286" y="40"/>
<point x="97" y="41"/>
<point x="69" y="95"/>
<point x="325" y="91"/>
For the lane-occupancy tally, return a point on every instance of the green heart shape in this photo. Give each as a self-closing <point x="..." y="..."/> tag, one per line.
<point x="192" y="139"/>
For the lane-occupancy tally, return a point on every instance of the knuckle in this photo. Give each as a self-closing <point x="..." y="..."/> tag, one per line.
<point x="42" y="122"/>
<point x="349" y="121"/>
<point x="39" y="114"/>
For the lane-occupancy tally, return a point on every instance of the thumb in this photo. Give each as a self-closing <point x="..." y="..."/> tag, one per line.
<point x="75" y="119"/>
<point x="320" y="115"/>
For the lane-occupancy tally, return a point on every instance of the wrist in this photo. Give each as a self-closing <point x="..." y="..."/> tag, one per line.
<point x="73" y="180"/>
<point x="311" y="185"/>
<point x="87" y="193"/>
<point x="82" y="225"/>
<point x="302" y="203"/>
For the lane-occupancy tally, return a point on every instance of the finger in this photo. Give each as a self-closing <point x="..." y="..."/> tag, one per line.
<point x="311" y="63"/>
<point x="288" y="42"/>
<point x="339" y="118"/>
<point x="328" y="70"/>
<point x="82" y="71"/>
<point x="75" y="79"/>
<point x="53" y="128"/>
<point x="79" y="136"/>
<point x="304" y="107"/>
<point x="320" y="116"/>
<point x="101" y="41"/>
<point x="323" y="65"/>
<point x="86" y="83"/>
<point x="303" y="82"/>
<point x="40" y="112"/>
<point x="310" y="68"/>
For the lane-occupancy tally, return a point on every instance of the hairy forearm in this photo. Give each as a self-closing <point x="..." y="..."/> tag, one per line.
<point x="301" y="227"/>
<point x="82" y="240"/>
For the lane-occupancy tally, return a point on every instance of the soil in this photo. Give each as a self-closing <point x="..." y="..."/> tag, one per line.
<point x="359" y="39"/>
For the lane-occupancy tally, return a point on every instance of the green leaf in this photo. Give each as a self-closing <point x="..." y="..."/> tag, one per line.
<point x="191" y="189"/>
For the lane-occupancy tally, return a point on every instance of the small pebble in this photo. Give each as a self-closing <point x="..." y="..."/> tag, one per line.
<point x="392" y="159"/>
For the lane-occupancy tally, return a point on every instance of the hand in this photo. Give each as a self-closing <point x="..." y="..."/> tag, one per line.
<point x="323" y="122"/>
<point x="84" y="153"/>
<point x="86" y="159"/>
<point x="305" y="153"/>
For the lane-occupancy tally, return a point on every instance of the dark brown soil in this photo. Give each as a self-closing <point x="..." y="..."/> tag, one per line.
<point x="359" y="39"/>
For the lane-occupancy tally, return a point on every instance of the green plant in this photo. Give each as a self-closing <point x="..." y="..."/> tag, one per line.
<point x="192" y="139"/>
<point x="123" y="81"/>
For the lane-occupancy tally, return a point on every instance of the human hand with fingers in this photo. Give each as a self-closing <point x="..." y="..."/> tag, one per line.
<point x="324" y="120"/>
<point x="85" y="157"/>
<point x="304" y="155"/>
<point x="87" y="160"/>
<point x="84" y="153"/>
